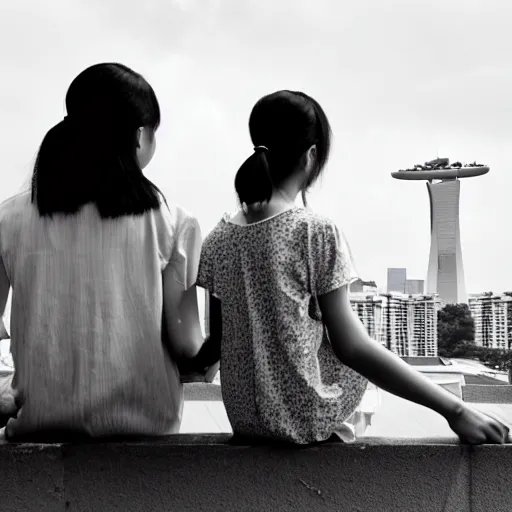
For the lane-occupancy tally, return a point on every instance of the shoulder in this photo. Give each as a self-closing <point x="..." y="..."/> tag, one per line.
<point x="15" y="211"/>
<point x="317" y="219"/>
<point x="174" y="218"/>
<point x="175" y="226"/>
<point x="15" y="204"/>
<point x="315" y="223"/>
<point x="216" y="237"/>
<point x="323" y="232"/>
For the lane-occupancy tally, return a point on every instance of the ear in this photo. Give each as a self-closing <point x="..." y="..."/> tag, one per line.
<point x="139" y="135"/>
<point x="311" y="158"/>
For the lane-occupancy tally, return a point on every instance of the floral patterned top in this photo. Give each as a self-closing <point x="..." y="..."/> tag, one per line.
<point x="280" y="376"/>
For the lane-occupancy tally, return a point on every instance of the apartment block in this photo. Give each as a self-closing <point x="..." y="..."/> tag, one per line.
<point x="406" y="325"/>
<point x="492" y="314"/>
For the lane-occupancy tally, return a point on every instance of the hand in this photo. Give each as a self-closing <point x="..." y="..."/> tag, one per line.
<point x="474" y="427"/>
<point x="192" y="375"/>
<point x="212" y="372"/>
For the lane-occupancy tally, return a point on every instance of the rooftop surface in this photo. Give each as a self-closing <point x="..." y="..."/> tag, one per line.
<point x="395" y="417"/>
<point x="463" y="172"/>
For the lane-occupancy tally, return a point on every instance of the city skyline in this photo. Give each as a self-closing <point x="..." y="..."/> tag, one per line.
<point x="400" y="83"/>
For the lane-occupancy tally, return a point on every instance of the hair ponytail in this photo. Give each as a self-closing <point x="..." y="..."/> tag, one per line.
<point x="90" y="156"/>
<point x="289" y="123"/>
<point x="253" y="181"/>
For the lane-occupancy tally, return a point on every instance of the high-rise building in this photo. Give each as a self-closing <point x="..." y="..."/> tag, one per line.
<point x="423" y="325"/>
<point x="415" y="287"/>
<point x="445" y="269"/>
<point x="445" y="274"/>
<point x="397" y="278"/>
<point x="492" y="314"/>
<point x="398" y="283"/>
<point x="370" y="311"/>
<point x="405" y="325"/>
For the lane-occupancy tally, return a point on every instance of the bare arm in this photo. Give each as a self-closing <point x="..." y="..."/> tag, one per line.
<point x="209" y="354"/>
<point x="356" y="349"/>
<point x="182" y="333"/>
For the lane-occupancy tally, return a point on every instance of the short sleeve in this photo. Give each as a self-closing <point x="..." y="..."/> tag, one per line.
<point x="205" y="275"/>
<point x="187" y="250"/>
<point x="331" y="262"/>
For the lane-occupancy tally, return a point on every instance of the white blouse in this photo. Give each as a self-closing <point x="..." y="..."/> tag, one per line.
<point x="86" y="317"/>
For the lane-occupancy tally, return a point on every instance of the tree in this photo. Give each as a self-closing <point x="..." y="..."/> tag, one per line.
<point x="495" y="358"/>
<point x="455" y="330"/>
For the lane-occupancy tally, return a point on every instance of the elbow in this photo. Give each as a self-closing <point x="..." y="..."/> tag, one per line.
<point x="347" y="355"/>
<point x="351" y="352"/>
<point x="190" y="349"/>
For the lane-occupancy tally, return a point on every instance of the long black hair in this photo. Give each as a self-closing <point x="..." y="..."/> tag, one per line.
<point x="90" y="156"/>
<point x="283" y="126"/>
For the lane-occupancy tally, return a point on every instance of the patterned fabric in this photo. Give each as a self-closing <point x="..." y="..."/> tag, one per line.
<point x="86" y="318"/>
<point x="280" y="376"/>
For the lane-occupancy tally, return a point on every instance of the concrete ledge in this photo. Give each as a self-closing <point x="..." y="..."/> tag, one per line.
<point x="213" y="473"/>
<point x="202" y="392"/>
<point x="487" y="394"/>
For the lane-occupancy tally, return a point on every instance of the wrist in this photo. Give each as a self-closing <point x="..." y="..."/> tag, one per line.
<point x="455" y="410"/>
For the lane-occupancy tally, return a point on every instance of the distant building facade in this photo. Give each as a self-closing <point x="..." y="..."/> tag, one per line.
<point x="445" y="274"/>
<point x="397" y="278"/>
<point x="423" y="325"/>
<point x="492" y="314"/>
<point x="360" y="286"/>
<point x="415" y="286"/>
<point x="406" y="325"/>
<point x="398" y="283"/>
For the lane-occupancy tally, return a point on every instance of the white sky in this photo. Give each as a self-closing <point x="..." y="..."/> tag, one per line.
<point x="399" y="80"/>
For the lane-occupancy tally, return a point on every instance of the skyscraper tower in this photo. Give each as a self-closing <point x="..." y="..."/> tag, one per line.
<point x="445" y="275"/>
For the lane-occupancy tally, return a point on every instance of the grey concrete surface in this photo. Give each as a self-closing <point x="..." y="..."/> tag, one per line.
<point x="210" y="473"/>
<point x="202" y="392"/>
<point x="487" y="394"/>
<point x="31" y="478"/>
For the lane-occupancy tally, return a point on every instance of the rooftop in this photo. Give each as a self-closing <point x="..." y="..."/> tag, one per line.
<point x="440" y="174"/>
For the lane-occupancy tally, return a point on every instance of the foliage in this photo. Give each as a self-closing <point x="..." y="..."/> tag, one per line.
<point x="455" y="330"/>
<point x="456" y="335"/>
<point x="495" y="358"/>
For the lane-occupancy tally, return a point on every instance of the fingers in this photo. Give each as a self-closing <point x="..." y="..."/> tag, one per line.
<point x="495" y="434"/>
<point x="497" y="427"/>
<point x="492" y="433"/>
<point x="501" y="430"/>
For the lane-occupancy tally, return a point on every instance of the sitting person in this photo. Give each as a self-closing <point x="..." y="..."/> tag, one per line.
<point x="102" y="270"/>
<point x="295" y="358"/>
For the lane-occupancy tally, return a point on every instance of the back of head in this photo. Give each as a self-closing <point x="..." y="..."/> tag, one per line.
<point x="283" y="126"/>
<point x="91" y="155"/>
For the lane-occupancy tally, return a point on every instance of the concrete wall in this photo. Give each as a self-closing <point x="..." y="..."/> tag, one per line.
<point x="211" y="473"/>
<point x="484" y="394"/>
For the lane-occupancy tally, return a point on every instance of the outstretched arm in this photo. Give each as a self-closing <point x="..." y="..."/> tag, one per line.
<point x="356" y="349"/>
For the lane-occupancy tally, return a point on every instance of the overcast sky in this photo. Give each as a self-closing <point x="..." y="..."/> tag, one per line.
<point x="400" y="81"/>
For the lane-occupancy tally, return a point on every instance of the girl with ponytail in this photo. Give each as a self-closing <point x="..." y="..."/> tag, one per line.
<point x="104" y="304"/>
<point x="294" y="357"/>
